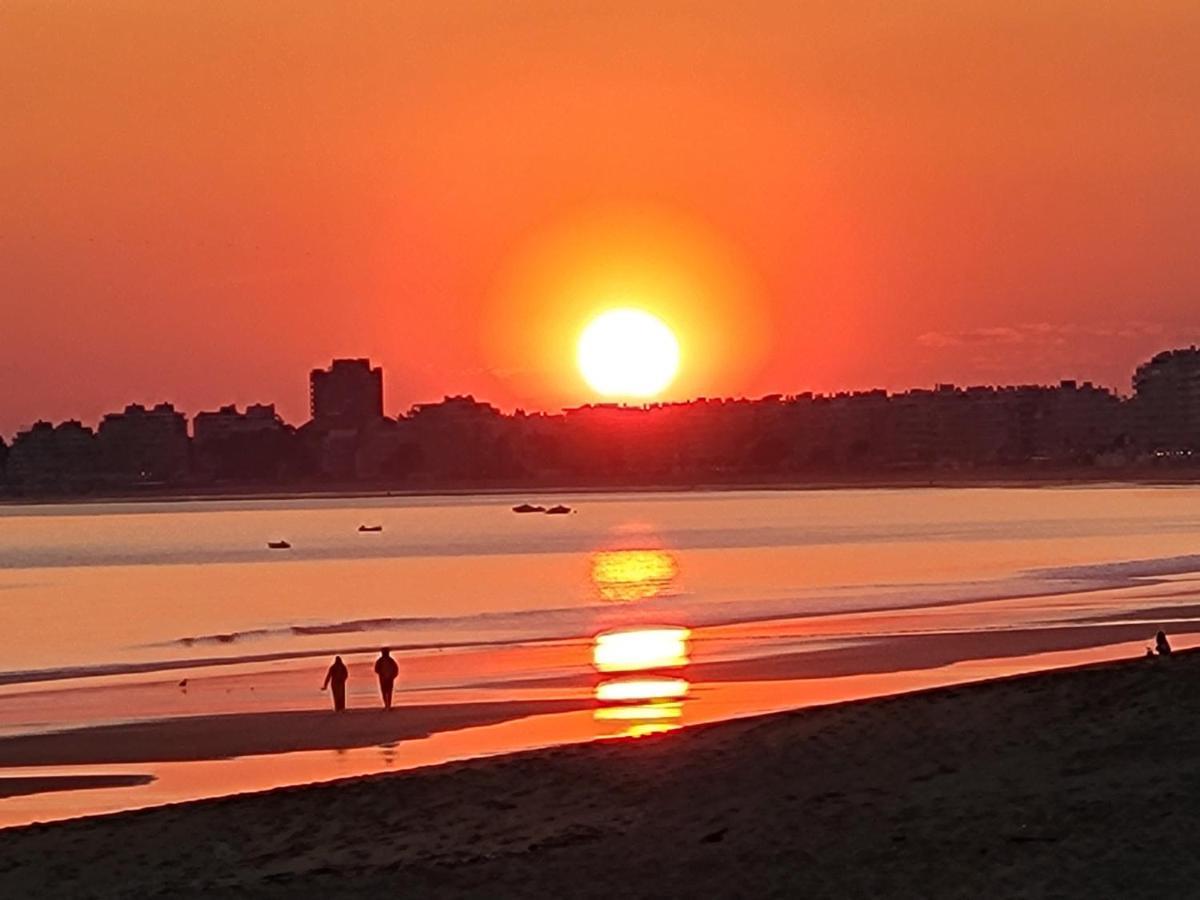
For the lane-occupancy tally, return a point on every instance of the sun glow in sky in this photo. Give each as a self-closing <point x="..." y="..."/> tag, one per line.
<point x="628" y="354"/>
<point x="201" y="202"/>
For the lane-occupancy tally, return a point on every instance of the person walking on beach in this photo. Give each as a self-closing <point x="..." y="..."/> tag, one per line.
<point x="336" y="676"/>
<point x="387" y="670"/>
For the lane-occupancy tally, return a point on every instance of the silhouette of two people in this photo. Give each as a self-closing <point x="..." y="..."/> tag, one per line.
<point x="336" y="678"/>
<point x="386" y="670"/>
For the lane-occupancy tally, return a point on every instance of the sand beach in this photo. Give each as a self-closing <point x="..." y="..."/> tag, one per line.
<point x="200" y="738"/>
<point x="1069" y="783"/>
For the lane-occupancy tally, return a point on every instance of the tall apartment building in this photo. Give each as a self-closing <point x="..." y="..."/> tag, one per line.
<point x="349" y="394"/>
<point x="1167" y="401"/>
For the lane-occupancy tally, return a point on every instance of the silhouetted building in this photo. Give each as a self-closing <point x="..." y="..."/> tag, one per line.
<point x="537" y="445"/>
<point x="252" y="446"/>
<point x="53" y="459"/>
<point x="226" y="422"/>
<point x="857" y="429"/>
<point x="349" y="394"/>
<point x="1167" y="402"/>
<point x="1081" y="421"/>
<point x="608" y="441"/>
<point x="387" y="449"/>
<point x="143" y="445"/>
<point x="334" y="451"/>
<point x="462" y="438"/>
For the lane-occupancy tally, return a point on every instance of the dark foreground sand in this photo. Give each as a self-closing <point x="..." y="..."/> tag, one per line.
<point x="1074" y="784"/>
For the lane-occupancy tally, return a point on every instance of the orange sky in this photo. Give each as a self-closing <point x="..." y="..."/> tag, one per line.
<point x="199" y="202"/>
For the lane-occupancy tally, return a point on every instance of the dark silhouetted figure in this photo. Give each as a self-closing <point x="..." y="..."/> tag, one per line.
<point x="387" y="670"/>
<point x="1161" y="644"/>
<point x="336" y="676"/>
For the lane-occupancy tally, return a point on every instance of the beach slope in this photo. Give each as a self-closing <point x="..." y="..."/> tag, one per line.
<point x="1075" y="783"/>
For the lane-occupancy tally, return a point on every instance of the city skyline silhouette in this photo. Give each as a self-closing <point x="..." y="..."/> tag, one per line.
<point x="461" y="441"/>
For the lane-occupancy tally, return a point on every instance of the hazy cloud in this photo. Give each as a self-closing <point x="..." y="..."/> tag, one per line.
<point x="1038" y="334"/>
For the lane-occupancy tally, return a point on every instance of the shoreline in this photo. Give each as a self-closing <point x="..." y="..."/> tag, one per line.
<point x="1071" y="780"/>
<point x="917" y="480"/>
<point x="191" y="755"/>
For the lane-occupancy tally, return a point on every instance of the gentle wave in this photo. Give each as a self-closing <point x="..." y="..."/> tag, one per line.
<point x="1133" y="570"/>
<point x="527" y="627"/>
<point x="35" y="676"/>
<point x="1036" y="582"/>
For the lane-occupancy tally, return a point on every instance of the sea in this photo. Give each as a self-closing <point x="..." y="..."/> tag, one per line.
<point x="658" y="609"/>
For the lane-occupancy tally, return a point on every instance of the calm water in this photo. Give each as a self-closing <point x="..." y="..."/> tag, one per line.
<point x="110" y="584"/>
<point x="640" y="600"/>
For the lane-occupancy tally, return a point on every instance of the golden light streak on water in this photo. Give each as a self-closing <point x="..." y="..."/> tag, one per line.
<point x="626" y="575"/>
<point x="640" y="649"/>
<point x="647" y="695"/>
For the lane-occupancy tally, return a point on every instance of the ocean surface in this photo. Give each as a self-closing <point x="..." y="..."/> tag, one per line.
<point x="641" y="601"/>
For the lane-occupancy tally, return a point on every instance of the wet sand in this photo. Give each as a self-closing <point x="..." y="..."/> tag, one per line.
<point x="23" y="785"/>
<point x="1069" y="783"/>
<point x="197" y="738"/>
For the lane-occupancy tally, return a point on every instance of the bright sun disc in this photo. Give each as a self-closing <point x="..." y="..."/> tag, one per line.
<point x="628" y="353"/>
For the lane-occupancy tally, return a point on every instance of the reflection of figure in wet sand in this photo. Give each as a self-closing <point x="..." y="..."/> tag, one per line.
<point x="387" y="670"/>
<point x="336" y="676"/>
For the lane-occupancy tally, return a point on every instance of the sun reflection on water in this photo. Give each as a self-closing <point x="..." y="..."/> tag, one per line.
<point x="626" y="575"/>
<point x="632" y="690"/>
<point x="641" y="712"/>
<point x="639" y="649"/>
<point x="642" y="688"/>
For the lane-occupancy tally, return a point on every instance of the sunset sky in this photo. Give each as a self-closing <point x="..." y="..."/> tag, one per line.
<point x="199" y="202"/>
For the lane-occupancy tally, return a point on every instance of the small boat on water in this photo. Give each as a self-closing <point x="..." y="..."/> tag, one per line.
<point x="528" y="508"/>
<point x="279" y="545"/>
<point x="558" y="510"/>
<point x="371" y="528"/>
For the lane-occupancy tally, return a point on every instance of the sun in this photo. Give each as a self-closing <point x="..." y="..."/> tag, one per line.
<point x="628" y="353"/>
